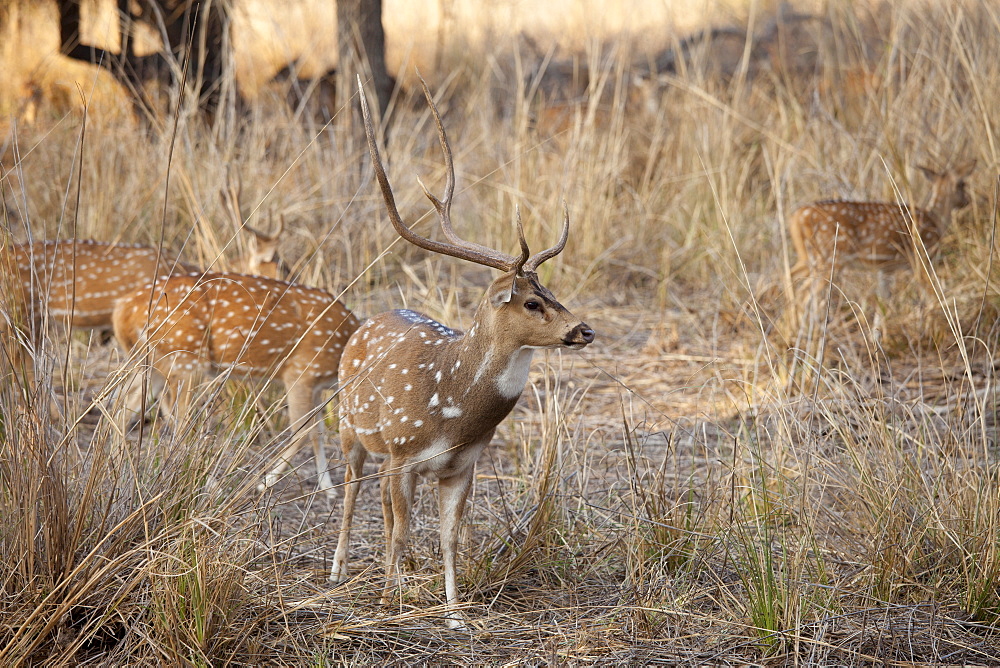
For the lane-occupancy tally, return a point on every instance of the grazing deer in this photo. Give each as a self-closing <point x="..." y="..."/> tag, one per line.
<point x="263" y="259"/>
<point x="250" y="325"/>
<point x="836" y="233"/>
<point x="74" y="281"/>
<point x="428" y="398"/>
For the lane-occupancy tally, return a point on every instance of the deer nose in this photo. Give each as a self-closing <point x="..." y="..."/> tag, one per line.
<point x="581" y="334"/>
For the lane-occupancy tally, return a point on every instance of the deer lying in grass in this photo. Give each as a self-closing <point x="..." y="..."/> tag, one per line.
<point x="836" y="233"/>
<point x="428" y="398"/>
<point x="74" y="281"/>
<point x="249" y="325"/>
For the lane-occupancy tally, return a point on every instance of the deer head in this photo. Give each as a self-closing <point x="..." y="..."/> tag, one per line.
<point x="264" y="258"/>
<point x="948" y="191"/>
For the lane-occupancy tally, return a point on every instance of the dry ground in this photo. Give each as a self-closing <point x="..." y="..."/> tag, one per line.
<point x="719" y="479"/>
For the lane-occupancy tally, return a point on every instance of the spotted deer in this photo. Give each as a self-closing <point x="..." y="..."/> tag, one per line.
<point x="427" y="398"/>
<point x="246" y="325"/>
<point x="263" y="258"/>
<point x="75" y="282"/>
<point x="835" y="234"/>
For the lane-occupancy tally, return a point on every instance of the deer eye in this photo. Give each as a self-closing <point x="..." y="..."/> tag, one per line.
<point x="532" y="305"/>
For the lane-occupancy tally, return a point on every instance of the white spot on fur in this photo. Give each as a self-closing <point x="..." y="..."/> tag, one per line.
<point x="483" y="366"/>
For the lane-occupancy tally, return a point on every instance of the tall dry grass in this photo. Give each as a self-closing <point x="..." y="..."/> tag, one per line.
<point x="706" y="484"/>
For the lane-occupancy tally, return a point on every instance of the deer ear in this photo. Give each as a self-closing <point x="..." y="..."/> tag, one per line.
<point x="502" y="291"/>
<point x="928" y="172"/>
<point x="502" y="296"/>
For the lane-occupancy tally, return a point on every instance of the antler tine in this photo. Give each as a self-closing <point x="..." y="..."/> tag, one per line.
<point x="231" y="198"/>
<point x="549" y="253"/>
<point x="258" y="233"/>
<point x="484" y="256"/>
<point x="443" y="208"/>
<point x="519" y="266"/>
<point x="254" y="231"/>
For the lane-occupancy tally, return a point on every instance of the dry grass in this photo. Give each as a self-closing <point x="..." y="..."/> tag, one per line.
<point x="705" y="484"/>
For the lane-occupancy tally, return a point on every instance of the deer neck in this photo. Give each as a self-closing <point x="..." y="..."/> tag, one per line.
<point x="939" y="210"/>
<point x="485" y="363"/>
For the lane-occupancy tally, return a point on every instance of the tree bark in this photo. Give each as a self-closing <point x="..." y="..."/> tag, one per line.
<point x="361" y="50"/>
<point x="200" y="23"/>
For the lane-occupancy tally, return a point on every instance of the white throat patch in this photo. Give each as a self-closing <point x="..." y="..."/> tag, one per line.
<point x="510" y="382"/>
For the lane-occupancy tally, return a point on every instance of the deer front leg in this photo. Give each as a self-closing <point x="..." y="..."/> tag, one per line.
<point x="452" y="493"/>
<point x="18" y="354"/>
<point x="356" y="456"/>
<point x="182" y="372"/>
<point x="18" y="351"/>
<point x="402" y="484"/>
<point x="303" y="407"/>
<point x="135" y="395"/>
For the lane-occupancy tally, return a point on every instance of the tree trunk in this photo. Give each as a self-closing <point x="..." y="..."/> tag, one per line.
<point x="361" y="50"/>
<point x="201" y="23"/>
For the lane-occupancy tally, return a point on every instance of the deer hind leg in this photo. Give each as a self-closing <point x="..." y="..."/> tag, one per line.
<point x="136" y="395"/>
<point x="402" y="485"/>
<point x="804" y="290"/>
<point x="304" y="423"/>
<point x="384" y="476"/>
<point x="356" y="456"/>
<point x="883" y="289"/>
<point x="452" y="494"/>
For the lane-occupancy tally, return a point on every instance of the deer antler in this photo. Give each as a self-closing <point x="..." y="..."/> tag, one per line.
<point x="549" y="253"/>
<point x="457" y="247"/>
<point x="231" y="197"/>
<point x="267" y="237"/>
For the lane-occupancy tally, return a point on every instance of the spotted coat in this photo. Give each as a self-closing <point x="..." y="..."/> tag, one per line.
<point x="248" y="325"/>
<point x="875" y="234"/>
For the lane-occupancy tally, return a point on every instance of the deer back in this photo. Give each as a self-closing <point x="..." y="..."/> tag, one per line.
<point x="869" y="232"/>
<point x="878" y="233"/>
<point x="253" y="324"/>
<point x="81" y="279"/>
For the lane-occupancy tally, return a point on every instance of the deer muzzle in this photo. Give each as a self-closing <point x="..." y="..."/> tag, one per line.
<point x="579" y="336"/>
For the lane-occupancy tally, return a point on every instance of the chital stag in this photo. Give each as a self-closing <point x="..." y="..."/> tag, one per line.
<point x="843" y="234"/>
<point x="249" y="325"/>
<point x="428" y="398"/>
<point x="75" y="281"/>
<point x="263" y="259"/>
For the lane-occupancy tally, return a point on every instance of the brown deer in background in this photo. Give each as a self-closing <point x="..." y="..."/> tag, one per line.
<point x="428" y="398"/>
<point x="264" y="258"/>
<point x="73" y="281"/>
<point x="834" y="234"/>
<point x="247" y="325"/>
